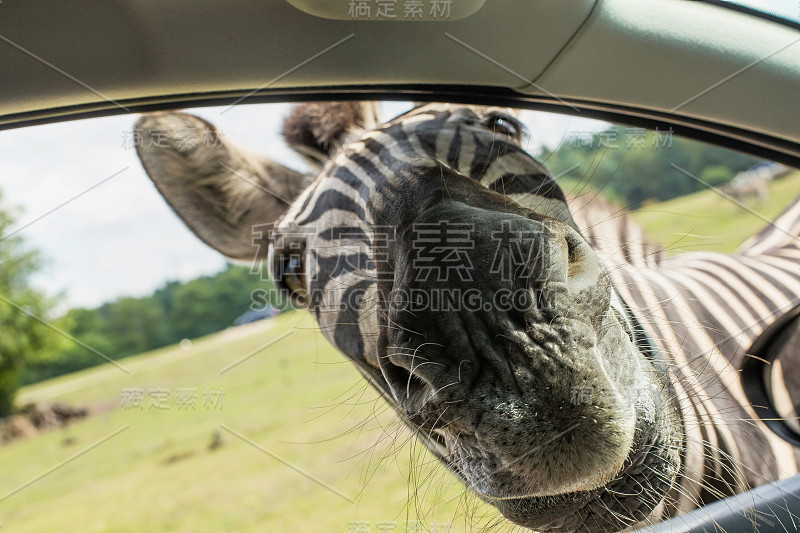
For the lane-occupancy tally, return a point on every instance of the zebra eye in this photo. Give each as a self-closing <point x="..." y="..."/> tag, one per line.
<point x="294" y="279"/>
<point x="503" y="124"/>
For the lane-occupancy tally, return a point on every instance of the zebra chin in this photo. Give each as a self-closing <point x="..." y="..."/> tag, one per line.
<point x="603" y="467"/>
<point x="562" y="462"/>
<point x="640" y="491"/>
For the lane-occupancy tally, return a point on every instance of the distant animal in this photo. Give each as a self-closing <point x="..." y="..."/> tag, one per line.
<point x="748" y="186"/>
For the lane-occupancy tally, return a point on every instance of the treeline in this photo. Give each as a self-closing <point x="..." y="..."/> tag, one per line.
<point x="634" y="166"/>
<point x="128" y="326"/>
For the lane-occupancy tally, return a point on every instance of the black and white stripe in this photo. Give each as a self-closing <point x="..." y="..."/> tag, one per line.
<point x="704" y="310"/>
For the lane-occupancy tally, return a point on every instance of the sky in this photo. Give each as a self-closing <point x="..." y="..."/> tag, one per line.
<point x="788" y="9"/>
<point x="103" y="229"/>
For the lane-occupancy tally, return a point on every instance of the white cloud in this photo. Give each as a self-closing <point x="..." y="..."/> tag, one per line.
<point x="553" y="130"/>
<point x="119" y="238"/>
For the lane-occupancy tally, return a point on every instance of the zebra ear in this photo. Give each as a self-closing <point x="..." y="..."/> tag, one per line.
<point x="220" y="191"/>
<point x="317" y="130"/>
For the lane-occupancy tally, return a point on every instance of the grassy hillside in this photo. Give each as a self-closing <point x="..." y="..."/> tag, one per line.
<point x="707" y="221"/>
<point x="296" y="398"/>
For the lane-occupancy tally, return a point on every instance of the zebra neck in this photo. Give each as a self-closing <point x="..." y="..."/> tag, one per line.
<point x="639" y="336"/>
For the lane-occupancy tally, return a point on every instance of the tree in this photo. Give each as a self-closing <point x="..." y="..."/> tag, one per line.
<point x="24" y="312"/>
<point x="127" y="326"/>
<point x="716" y="175"/>
<point x="633" y="166"/>
<point x="212" y="303"/>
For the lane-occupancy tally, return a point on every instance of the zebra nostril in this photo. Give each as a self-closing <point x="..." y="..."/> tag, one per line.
<point x="573" y="256"/>
<point x="415" y="385"/>
<point x="583" y="267"/>
<point x="409" y="389"/>
<point x="412" y="393"/>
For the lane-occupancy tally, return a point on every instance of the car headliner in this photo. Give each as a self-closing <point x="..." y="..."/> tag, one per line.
<point x="715" y="73"/>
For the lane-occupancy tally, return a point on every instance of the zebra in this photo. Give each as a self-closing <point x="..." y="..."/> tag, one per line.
<point x="605" y="397"/>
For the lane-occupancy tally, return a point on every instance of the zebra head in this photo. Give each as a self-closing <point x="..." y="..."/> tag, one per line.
<point x="442" y="259"/>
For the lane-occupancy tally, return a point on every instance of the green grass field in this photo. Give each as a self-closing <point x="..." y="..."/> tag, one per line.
<point x="706" y="220"/>
<point x="322" y="451"/>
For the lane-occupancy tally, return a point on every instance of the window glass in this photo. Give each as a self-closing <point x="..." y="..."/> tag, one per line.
<point x="785" y="9"/>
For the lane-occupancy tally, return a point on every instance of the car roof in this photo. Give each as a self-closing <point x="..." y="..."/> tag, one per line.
<point x="721" y="74"/>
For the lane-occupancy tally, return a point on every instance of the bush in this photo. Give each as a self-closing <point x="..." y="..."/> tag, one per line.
<point x="24" y="313"/>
